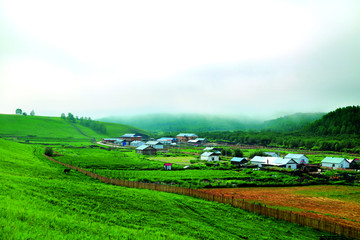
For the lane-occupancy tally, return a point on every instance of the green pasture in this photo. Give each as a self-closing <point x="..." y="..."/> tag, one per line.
<point x="207" y="178"/>
<point x="97" y="158"/>
<point x="344" y="193"/>
<point x="38" y="129"/>
<point x="181" y="160"/>
<point x="39" y="201"/>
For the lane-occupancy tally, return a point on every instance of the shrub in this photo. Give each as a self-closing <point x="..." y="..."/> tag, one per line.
<point x="49" y="151"/>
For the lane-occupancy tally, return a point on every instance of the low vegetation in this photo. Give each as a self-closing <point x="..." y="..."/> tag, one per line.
<point x="39" y="201"/>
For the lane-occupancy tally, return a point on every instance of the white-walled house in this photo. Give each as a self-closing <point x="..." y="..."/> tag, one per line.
<point x="209" y="156"/>
<point x="335" y="163"/>
<point x="299" y="158"/>
<point x="283" y="162"/>
<point x="273" y="161"/>
<point x="260" y="160"/>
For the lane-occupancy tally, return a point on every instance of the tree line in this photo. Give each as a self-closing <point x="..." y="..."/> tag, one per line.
<point x="86" y="121"/>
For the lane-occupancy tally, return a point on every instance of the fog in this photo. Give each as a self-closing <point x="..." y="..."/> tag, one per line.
<point x="257" y="59"/>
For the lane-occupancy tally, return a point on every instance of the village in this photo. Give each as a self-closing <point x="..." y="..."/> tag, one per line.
<point x="211" y="152"/>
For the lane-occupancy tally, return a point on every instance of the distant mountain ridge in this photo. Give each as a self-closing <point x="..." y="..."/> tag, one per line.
<point x="183" y="122"/>
<point x="201" y="123"/>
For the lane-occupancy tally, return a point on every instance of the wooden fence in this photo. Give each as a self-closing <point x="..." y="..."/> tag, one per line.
<point x="320" y="224"/>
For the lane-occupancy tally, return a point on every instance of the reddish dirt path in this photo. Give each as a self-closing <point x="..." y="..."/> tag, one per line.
<point x="294" y="199"/>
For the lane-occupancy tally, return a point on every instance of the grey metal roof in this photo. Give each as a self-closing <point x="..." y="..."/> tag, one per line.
<point x="237" y="159"/>
<point x="186" y="135"/>
<point x="294" y="156"/>
<point x="207" y="154"/>
<point x="332" y="160"/>
<point x="130" y="135"/>
<point x="143" y="147"/>
<point x="153" y="143"/>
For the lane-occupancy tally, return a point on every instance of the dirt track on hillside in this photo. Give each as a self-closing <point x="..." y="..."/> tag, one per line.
<point x="291" y="198"/>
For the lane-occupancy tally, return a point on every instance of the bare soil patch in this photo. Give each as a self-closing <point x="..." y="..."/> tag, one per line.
<point x="304" y="200"/>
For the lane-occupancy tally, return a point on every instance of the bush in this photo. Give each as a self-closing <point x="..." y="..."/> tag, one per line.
<point x="49" y="151"/>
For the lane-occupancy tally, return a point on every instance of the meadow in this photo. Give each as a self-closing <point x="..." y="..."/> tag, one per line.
<point x="39" y="201"/>
<point x="55" y="131"/>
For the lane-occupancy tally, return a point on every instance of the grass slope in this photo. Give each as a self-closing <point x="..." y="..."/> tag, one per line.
<point x="39" y="201"/>
<point x="37" y="127"/>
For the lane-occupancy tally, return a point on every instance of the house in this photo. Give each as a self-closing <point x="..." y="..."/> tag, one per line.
<point x="211" y="149"/>
<point x="209" y="156"/>
<point x="299" y="158"/>
<point x="167" y="140"/>
<point x="354" y="163"/>
<point x="274" y="162"/>
<point x="131" y="137"/>
<point x="260" y="160"/>
<point x="272" y="154"/>
<point x="146" y="150"/>
<point x="286" y="163"/>
<point x="185" y="137"/>
<point x="110" y="140"/>
<point x="197" y="141"/>
<point x="167" y="166"/>
<point x="238" y="161"/>
<point x="155" y="144"/>
<point x="332" y="162"/>
<point x="137" y="143"/>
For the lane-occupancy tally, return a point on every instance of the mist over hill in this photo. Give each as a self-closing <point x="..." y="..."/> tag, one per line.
<point x="184" y="122"/>
<point x="291" y="122"/>
<point x="204" y="123"/>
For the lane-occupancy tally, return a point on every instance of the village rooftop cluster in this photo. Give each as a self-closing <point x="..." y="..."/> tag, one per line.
<point x="211" y="154"/>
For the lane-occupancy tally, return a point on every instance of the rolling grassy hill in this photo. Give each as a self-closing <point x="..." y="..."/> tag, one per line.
<point x="40" y="128"/>
<point x="39" y="201"/>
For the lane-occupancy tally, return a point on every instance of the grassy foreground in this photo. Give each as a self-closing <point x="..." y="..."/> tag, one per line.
<point x="39" y="201"/>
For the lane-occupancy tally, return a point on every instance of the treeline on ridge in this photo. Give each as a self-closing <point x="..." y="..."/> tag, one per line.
<point x="85" y="121"/>
<point x="338" y="130"/>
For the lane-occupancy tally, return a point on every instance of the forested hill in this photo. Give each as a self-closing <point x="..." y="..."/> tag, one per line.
<point x="292" y="122"/>
<point x="344" y="120"/>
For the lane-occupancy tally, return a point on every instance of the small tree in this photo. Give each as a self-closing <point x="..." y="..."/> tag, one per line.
<point x="238" y="152"/>
<point x="70" y="117"/>
<point x="18" y="111"/>
<point x="24" y="113"/>
<point x="63" y="116"/>
<point x="32" y="113"/>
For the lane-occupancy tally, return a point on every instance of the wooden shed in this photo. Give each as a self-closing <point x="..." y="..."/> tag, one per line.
<point x="146" y="150"/>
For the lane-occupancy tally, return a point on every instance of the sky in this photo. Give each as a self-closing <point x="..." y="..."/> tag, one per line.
<point x="258" y="58"/>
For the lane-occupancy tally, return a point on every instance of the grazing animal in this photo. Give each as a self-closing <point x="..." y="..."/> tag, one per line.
<point x="67" y="170"/>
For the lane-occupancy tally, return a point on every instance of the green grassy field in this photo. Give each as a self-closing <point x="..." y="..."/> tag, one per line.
<point x="39" y="201"/>
<point x="54" y="130"/>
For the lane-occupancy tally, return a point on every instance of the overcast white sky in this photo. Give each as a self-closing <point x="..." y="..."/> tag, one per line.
<point x="254" y="58"/>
